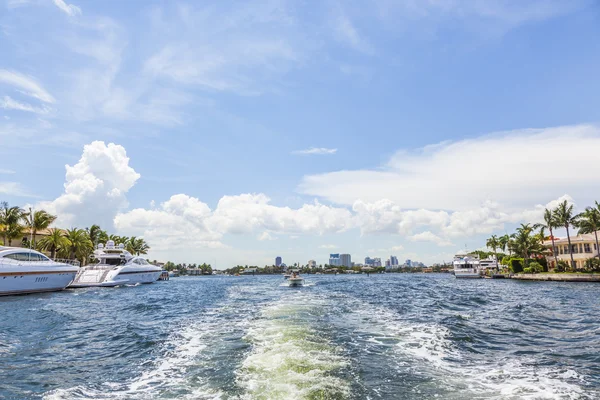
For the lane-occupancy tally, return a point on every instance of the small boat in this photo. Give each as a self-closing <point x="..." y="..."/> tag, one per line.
<point x="295" y="281"/>
<point x="28" y="271"/>
<point x="287" y="276"/>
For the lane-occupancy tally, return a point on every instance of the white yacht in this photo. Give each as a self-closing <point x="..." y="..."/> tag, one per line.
<point x="116" y="266"/>
<point x="29" y="271"/>
<point x="466" y="266"/>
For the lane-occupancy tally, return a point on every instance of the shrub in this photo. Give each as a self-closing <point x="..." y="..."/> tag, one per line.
<point x="592" y="265"/>
<point x="505" y="260"/>
<point x="562" y="266"/>
<point x="515" y="265"/>
<point x="528" y="270"/>
<point x="535" y="267"/>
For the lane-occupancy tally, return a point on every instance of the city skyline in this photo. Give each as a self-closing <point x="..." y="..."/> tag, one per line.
<point x="229" y="132"/>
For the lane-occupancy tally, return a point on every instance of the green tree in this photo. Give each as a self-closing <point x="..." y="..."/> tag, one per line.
<point x="9" y="222"/>
<point x="137" y="246"/>
<point x="524" y="243"/>
<point x="504" y="241"/>
<point x="493" y="243"/>
<point x="550" y="224"/>
<point x="95" y="234"/>
<point x="563" y="215"/>
<point x="37" y="221"/>
<point x="589" y="222"/>
<point x="54" y="242"/>
<point x="80" y="245"/>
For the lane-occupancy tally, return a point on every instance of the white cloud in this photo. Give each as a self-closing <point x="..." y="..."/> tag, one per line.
<point x="266" y="236"/>
<point x="315" y="151"/>
<point x="186" y="221"/>
<point x="516" y="169"/>
<point x="428" y="236"/>
<point x="328" y="246"/>
<point x="10" y="104"/>
<point x="28" y="85"/>
<point x="14" y="189"/>
<point x="243" y="50"/>
<point x="69" y="9"/>
<point x="397" y="248"/>
<point x="6" y="171"/>
<point x="95" y="187"/>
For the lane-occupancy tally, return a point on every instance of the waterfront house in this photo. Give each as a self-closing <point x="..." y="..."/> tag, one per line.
<point x="583" y="247"/>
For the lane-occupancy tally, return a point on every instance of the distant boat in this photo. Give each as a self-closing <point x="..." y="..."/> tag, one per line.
<point x="295" y="281"/>
<point x="466" y="266"/>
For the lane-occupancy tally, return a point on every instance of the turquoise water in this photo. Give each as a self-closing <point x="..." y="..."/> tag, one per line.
<point x="392" y="336"/>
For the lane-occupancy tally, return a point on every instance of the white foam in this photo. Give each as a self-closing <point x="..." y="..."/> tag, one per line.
<point x="429" y="348"/>
<point x="289" y="359"/>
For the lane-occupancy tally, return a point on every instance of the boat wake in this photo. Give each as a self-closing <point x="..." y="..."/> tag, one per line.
<point x="290" y="358"/>
<point x="430" y="351"/>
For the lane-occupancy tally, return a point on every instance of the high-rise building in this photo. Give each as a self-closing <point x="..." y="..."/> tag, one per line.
<point x="388" y="263"/>
<point x="373" y="262"/>
<point x="346" y="260"/>
<point x="408" y="263"/>
<point x="393" y="260"/>
<point x="312" y="264"/>
<point x="334" y="259"/>
<point x="277" y="261"/>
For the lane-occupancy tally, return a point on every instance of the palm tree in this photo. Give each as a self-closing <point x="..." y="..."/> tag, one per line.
<point x="9" y="220"/>
<point x="524" y="243"/>
<point x="95" y="234"/>
<point x="493" y="243"/>
<point x="563" y="216"/>
<point x="54" y="242"/>
<point x="504" y="241"/>
<point x="80" y="245"/>
<point x="13" y="231"/>
<point x="38" y="221"/>
<point x="550" y="225"/>
<point x="589" y="222"/>
<point x="137" y="246"/>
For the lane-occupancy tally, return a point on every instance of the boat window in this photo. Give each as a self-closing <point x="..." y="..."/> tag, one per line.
<point x="112" y="261"/>
<point x="23" y="256"/>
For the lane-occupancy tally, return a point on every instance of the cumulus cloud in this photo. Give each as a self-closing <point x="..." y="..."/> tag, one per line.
<point x="69" y="9"/>
<point x="428" y="236"/>
<point x="516" y="168"/>
<point x="189" y="221"/>
<point x="328" y="246"/>
<point x="95" y="187"/>
<point x="265" y="236"/>
<point x="315" y="151"/>
<point x="26" y="84"/>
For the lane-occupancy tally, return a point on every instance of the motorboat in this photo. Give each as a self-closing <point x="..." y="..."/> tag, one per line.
<point x="466" y="266"/>
<point x="29" y="271"/>
<point x="116" y="266"/>
<point x="295" y="281"/>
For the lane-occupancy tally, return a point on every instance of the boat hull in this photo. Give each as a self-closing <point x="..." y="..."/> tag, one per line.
<point x="95" y="277"/>
<point x="295" y="282"/>
<point x="25" y="282"/>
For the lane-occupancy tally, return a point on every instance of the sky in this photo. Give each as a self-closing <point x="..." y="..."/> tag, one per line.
<point x="232" y="132"/>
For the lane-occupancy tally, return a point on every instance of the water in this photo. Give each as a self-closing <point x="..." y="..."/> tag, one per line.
<point x="393" y="336"/>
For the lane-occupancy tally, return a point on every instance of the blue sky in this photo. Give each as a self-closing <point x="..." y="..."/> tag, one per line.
<point x="432" y="124"/>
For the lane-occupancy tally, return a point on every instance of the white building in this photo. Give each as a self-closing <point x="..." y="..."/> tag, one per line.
<point x="312" y="264"/>
<point x="346" y="260"/>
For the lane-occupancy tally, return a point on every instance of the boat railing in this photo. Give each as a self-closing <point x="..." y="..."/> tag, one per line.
<point x="75" y="263"/>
